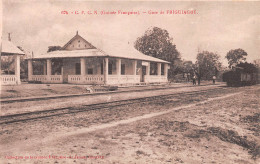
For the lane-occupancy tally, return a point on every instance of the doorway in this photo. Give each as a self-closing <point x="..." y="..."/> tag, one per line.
<point x="143" y="73"/>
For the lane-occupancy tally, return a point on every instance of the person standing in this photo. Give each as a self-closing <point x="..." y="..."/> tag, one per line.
<point x="214" y="79"/>
<point x="194" y="80"/>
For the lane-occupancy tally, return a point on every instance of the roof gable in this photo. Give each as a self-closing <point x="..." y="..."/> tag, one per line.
<point x="77" y="43"/>
<point x="8" y="48"/>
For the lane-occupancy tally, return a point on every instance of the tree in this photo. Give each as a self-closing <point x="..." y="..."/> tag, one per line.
<point x="235" y="56"/>
<point x="256" y="62"/>
<point x="188" y="66"/>
<point x="7" y="64"/>
<point x="157" y="42"/>
<point x="207" y="65"/>
<point x="248" y="67"/>
<point x="53" y="48"/>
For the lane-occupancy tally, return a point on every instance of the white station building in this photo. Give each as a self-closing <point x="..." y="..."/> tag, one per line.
<point x="84" y="63"/>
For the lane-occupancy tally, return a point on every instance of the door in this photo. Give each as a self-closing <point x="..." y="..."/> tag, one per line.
<point x="143" y="73"/>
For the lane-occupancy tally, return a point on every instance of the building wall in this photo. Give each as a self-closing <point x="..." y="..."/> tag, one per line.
<point x="128" y="66"/>
<point x="69" y="67"/>
<point x="94" y="64"/>
<point x="113" y="62"/>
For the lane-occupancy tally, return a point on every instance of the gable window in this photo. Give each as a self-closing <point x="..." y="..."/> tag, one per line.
<point x="77" y="68"/>
<point x="122" y="69"/>
<point x="90" y="71"/>
<point x="110" y="66"/>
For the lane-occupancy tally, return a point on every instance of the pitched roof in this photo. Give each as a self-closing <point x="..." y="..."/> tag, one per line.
<point x="72" y="39"/>
<point x="103" y="48"/>
<point x="8" y="48"/>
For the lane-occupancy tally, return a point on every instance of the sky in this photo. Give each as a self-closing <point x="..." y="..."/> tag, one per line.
<point x="216" y="26"/>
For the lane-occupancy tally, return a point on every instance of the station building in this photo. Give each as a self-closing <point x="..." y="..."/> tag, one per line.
<point x="81" y="62"/>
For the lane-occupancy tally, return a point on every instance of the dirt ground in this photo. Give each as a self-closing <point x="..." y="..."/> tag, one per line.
<point x="217" y="127"/>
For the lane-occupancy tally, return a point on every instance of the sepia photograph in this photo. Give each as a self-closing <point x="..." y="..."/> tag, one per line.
<point x="130" y="82"/>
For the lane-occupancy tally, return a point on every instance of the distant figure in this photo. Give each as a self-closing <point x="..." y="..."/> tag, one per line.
<point x="214" y="79"/>
<point x="194" y="80"/>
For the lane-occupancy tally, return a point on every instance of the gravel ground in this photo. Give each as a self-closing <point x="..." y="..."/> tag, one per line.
<point x="219" y="131"/>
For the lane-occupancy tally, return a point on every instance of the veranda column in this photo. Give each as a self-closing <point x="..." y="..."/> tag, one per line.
<point x="159" y="67"/>
<point x="148" y="69"/>
<point x="17" y="69"/>
<point x="48" y="70"/>
<point x="147" y="77"/>
<point x="136" y="80"/>
<point x="30" y="70"/>
<point x="82" y="69"/>
<point x="166" y="71"/>
<point x="118" y="69"/>
<point x="106" y="71"/>
<point x="134" y="67"/>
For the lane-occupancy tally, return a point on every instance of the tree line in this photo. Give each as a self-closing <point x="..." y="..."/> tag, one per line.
<point x="157" y="42"/>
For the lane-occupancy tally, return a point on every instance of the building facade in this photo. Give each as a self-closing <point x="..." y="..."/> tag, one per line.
<point x="80" y="62"/>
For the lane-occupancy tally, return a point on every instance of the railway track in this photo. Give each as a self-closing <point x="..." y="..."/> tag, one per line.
<point x="26" y="99"/>
<point x="30" y="116"/>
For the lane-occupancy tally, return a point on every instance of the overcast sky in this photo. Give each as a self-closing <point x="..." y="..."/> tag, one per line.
<point x="217" y="26"/>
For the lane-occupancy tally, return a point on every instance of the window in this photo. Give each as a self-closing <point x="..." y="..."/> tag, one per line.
<point x="102" y="69"/>
<point x="90" y="71"/>
<point x="162" y="69"/>
<point x="110" y="66"/>
<point x="77" y="67"/>
<point x="153" y="68"/>
<point x="122" y="69"/>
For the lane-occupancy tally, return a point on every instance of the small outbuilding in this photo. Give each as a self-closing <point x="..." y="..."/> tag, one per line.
<point x="8" y="49"/>
<point x="81" y="62"/>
